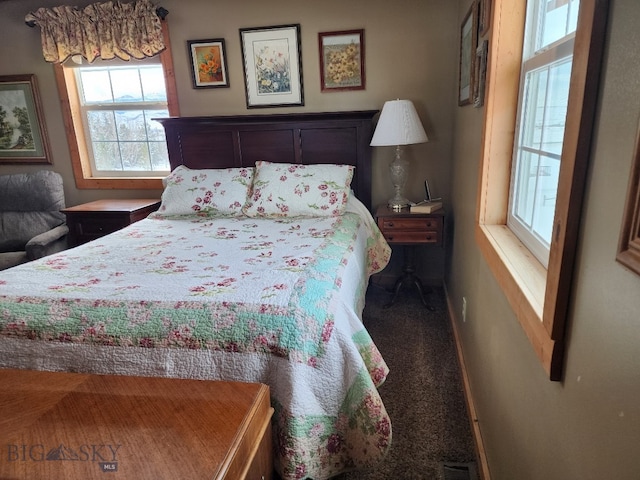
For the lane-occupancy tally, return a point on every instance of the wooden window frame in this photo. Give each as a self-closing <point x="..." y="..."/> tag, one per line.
<point x="72" y="117"/>
<point x="538" y="296"/>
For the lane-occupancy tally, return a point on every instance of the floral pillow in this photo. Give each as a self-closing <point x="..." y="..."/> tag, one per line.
<point x="293" y="190"/>
<point x="206" y="192"/>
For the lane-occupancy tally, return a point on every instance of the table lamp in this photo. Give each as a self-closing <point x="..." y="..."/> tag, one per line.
<point x="398" y="125"/>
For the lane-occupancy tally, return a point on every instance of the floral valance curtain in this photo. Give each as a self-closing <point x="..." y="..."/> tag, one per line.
<point x="100" y="30"/>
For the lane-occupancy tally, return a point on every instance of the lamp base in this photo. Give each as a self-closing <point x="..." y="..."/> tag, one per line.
<point x="398" y="203"/>
<point x="399" y="172"/>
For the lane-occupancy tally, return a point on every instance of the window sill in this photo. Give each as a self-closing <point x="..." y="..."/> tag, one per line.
<point x="523" y="280"/>
<point x="119" y="183"/>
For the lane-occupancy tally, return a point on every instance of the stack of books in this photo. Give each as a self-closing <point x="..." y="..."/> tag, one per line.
<point x="425" y="207"/>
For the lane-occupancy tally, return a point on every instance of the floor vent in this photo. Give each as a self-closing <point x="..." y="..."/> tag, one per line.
<point x="459" y="471"/>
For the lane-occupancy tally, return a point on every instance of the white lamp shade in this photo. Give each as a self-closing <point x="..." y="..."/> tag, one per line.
<point x="398" y="124"/>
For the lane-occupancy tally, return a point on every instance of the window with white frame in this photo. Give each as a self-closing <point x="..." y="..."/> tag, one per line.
<point x="118" y="102"/>
<point x="542" y="109"/>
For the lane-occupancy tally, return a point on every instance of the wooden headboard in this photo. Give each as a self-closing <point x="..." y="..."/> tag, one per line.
<point x="306" y="138"/>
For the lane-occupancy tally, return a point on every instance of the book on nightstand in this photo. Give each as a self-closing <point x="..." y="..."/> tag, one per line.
<point x="425" y="207"/>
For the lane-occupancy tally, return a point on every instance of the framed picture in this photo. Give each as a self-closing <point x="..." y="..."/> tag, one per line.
<point x="468" y="40"/>
<point x="272" y="66"/>
<point x="629" y="240"/>
<point x="480" y="75"/>
<point x="341" y="60"/>
<point x="23" y="136"/>
<point x="208" y="63"/>
<point x="484" y="16"/>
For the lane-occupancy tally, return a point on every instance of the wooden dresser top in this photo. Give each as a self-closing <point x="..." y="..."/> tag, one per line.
<point x="65" y="425"/>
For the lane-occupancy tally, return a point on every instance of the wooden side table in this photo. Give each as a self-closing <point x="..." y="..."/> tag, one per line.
<point x="96" y="219"/>
<point x="410" y="230"/>
<point x="79" y="426"/>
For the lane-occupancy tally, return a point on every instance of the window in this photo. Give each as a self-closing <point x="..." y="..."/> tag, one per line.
<point x="538" y="291"/>
<point x="108" y="109"/>
<point x="542" y="110"/>
<point x="118" y="104"/>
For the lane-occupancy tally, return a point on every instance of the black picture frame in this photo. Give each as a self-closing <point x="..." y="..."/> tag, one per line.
<point x="208" y="63"/>
<point x="272" y="63"/>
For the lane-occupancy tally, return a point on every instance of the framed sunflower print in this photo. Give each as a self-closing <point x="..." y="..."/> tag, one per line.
<point x="341" y="60"/>
<point x="272" y="66"/>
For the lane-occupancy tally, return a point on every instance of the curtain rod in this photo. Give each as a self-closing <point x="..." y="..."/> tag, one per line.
<point x="160" y="11"/>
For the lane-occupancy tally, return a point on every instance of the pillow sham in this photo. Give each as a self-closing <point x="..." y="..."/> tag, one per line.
<point x="220" y="191"/>
<point x="294" y="190"/>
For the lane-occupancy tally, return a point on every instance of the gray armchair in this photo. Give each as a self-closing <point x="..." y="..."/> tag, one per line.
<point x="31" y="224"/>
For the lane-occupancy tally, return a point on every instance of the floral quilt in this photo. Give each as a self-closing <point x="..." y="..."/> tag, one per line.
<point x="277" y="301"/>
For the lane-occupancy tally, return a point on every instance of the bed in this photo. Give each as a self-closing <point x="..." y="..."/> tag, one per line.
<point x="235" y="278"/>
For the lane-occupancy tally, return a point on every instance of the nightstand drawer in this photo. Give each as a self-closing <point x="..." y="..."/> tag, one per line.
<point x="412" y="237"/>
<point x="409" y="228"/>
<point x="422" y="224"/>
<point x="94" y="228"/>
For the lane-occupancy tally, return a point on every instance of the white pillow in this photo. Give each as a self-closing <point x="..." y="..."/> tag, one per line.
<point x="293" y="190"/>
<point x="206" y="192"/>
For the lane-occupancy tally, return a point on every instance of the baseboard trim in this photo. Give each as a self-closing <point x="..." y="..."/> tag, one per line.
<point x="475" y="424"/>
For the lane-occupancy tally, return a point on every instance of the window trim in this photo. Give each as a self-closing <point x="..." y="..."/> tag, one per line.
<point x="538" y="296"/>
<point x="73" y="124"/>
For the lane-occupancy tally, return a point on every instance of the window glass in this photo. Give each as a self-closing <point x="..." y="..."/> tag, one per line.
<point x="555" y="20"/>
<point x="542" y="107"/>
<point x="119" y="104"/>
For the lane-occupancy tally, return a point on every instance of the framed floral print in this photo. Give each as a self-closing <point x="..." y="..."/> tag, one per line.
<point x="208" y="63"/>
<point x="484" y="17"/>
<point x="629" y="240"/>
<point x="468" y="39"/>
<point x="23" y="136"/>
<point x="341" y="60"/>
<point x="272" y="66"/>
<point x="480" y="75"/>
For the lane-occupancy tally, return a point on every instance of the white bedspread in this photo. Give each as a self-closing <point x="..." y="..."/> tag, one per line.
<point x="257" y="300"/>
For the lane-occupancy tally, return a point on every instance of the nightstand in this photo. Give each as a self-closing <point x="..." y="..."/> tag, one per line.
<point x="410" y="230"/>
<point x="96" y="219"/>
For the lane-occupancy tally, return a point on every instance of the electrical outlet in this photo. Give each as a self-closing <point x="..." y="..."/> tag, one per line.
<point x="464" y="309"/>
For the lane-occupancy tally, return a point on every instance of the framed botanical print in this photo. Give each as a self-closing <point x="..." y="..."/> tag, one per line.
<point x="272" y="61"/>
<point x="23" y="136"/>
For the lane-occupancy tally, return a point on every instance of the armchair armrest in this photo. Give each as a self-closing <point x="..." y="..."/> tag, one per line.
<point x="46" y="243"/>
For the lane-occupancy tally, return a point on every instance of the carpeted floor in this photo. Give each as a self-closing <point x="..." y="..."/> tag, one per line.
<point x="423" y="392"/>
